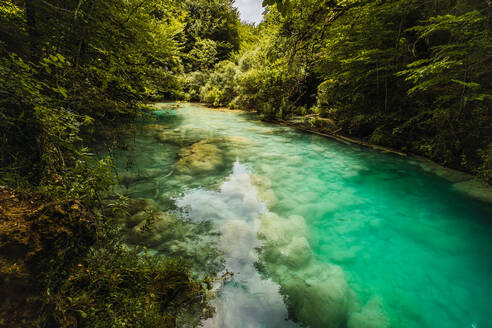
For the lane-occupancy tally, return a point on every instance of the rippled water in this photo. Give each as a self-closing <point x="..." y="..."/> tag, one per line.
<point x="317" y="233"/>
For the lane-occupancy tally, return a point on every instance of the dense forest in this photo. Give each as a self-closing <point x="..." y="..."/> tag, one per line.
<point x="69" y="70"/>
<point x="412" y="75"/>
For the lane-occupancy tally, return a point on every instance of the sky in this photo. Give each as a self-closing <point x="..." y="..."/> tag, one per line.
<point x="250" y="10"/>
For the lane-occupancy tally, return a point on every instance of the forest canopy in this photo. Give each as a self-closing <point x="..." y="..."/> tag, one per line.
<point x="71" y="73"/>
<point x="412" y="75"/>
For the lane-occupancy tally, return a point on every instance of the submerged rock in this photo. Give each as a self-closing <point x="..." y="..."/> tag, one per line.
<point x="155" y="127"/>
<point x="265" y="192"/>
<point x="136" y="211"/>
<point x="174" y="137"/>
<point x="371" y="315"/>
<point x="316" y="293"/>
<point x="148" y="231"/>
<point x="449" y="174"/>
<point x="268" y="197"/>
<point x="476" y="189"/>
<point x="136" y="205"/>
<point x="261" y="181"/>
<point x="198" y="158"/>
<point x="168" y="234"/>
<point x="210" y="154"/>
<point x="131" y="178"/>
<point x="137" y="219"/>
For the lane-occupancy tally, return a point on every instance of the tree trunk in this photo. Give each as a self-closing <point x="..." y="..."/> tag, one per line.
<point x="32" y="30"/>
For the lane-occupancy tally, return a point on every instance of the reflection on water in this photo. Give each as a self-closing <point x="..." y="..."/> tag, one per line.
<point x="317" y="233"/>
<point x="248" y="300"/>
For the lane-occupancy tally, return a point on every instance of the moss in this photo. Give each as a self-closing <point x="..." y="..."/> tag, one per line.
<point x="62" y="266"/>
<point x="40" y="240"/>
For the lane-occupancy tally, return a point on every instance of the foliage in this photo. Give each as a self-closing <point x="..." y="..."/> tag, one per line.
<point x="40" y="240"/>
<point x="220" y="87"/>
<point x="212" y="30"/>
<point x="68" y="70"/>
<point x="192" y="84"/>
<point x="204" y="54"/>
<point x="67" y="79"/>
<point x="118" y="286"/>
<point x="408" y="74"/>
<point x="62" y="267"/>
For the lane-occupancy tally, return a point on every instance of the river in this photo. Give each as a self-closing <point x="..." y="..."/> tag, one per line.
<point x="317" y="233"/>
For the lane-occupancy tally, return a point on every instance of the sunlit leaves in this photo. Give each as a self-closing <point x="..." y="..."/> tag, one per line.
<point x="283" y="6"/>
<point x="376" y="67"/>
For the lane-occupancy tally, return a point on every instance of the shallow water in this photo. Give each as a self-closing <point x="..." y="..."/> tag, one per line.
<point x="317" y="233"/>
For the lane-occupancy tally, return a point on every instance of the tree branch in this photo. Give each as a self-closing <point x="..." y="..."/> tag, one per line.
<point x="56" y="8"/>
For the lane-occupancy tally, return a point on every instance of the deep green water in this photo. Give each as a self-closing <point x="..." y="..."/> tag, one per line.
<point x="327" y="234"/>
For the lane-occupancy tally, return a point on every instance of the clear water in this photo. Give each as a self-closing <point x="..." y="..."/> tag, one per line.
<point x="318" y="233"/>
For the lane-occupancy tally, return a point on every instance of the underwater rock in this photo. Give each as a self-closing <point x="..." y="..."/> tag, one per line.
<point x="449" y="174"/>
<point x="154" y="173"/>
<point x="475" y="188"/>
<point x="296" y="254"/>
<point x="166" y="233"/>
<point x="268" y="197"/>
<point x="316" y="293"/>
<point x="261" y="181"/>
<point x="156" y="127"/>
<point x="135" y="219"/>
<point x="265" y="193"/>
<point x="199" y="158"/>
<point x="237" y="140"/>
<point x="146" y="189"/>
<point x="140" y="217"/>
<point x="210" y="154"/>
<point x="161" y="223"/>
<point x="237" y="145"/>
<point x="372" y="315"/>
<point x="133" y="181"/>
<point x="285" y="240"/>
<point x="280" y="231"/>
<point x="174" y="137"/>
<point x="238" y="240"/>
<point x="234" y="147"/>
<point x="141" y="204"/>
<point x="129" y="178"/>
<point x="154" y="231"/>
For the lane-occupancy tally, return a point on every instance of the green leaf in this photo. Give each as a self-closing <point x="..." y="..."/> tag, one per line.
<point x="471" y="85"/>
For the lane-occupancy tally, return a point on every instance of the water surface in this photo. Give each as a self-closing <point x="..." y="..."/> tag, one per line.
<point x="317" y="233"/>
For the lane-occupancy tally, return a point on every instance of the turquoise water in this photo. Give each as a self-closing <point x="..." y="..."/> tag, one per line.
<point x="316" y="232"/>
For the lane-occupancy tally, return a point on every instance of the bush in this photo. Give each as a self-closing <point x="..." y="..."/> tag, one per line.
<point x="192" y="83"/>
<point x="220" y="88"/>
<point x="119" y="286"/>
<point x="61" y="266"/>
